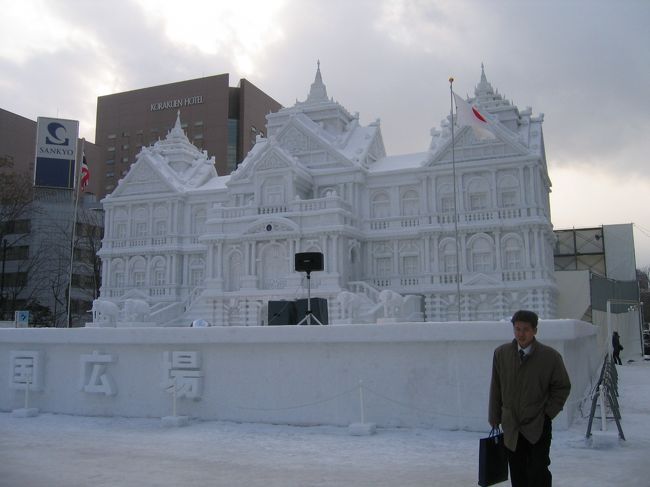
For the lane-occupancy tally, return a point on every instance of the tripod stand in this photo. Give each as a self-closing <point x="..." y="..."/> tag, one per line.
<point x="309" y="315"/>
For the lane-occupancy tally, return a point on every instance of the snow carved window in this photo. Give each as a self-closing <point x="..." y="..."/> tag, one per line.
<point x="118" y="274"/>
<point x="508" y="192"/>
<point x="234" y="271"/>
<point x="273" y="191"/>
<point x="448" y="256"/>
<point x="138" y="273"/>
<point x="383" y="256"/>
<point x="512" y="253"/>
<point x="410" y="203"/>
<point x="196" y="272"/>
<point x="140" y="219"/>
<point x="274" y="267"/>
<point x="410" y="255"/>
<point x="481" y="255"/>
<point x="446" y="198"/>
<point x="478" y="194"/>
<point x="380" y="206"/>
<point x="158" y="273"/>
<point x="198" y="221"/>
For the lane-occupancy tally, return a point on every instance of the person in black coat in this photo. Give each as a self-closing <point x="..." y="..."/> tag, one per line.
<point x="617" y="347"/>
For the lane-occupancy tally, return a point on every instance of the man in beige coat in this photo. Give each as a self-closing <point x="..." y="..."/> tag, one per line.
<point x="529" y="388"/>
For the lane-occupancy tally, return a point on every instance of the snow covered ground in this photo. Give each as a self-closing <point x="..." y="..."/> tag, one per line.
<point x="57" y="450"/>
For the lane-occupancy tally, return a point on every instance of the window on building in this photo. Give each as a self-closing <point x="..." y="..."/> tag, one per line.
<point x="125" y="159"/>
<point x="448" y="257"/>
<point x="481" y="256"/>
<point x="478" y="192"/>
<point x="410" y="203"/>
<point x="512" y="254"/>
<point x="110" y="161"/>
<point x="110" y="174"/>
<point x="110" y="136"/>
<point x="160" y="228"/>
<point x="140" y="229"/>
<point x="17" y="252"/>
<point x="380" y="206"/>
<point x="233" y="143"/>
<point x="111" y="148"/>
<point x="410" y="265"/>
<point x="159" y="274"/>
<point x="199" y="123"/>
<point x="196" y="277"/>
<point x="384" y="266"/>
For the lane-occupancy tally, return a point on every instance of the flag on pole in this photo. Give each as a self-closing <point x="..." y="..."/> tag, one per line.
<point x="468" y="115"/>
<point x="85" y="174"/>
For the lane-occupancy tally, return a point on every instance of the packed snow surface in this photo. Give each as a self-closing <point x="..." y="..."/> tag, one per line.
<point x="59" y="450"/>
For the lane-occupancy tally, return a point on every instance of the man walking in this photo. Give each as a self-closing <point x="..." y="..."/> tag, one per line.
<point x="529" y="388"/>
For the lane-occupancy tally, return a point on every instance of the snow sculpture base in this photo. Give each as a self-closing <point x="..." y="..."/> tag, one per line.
<point x="362" y="429"/>
<point x="100" y="324"/>
<point x="24" y="412"/>
<point x="175" y="421"/>
<point x="136" y="324"/>
<point x="604" y="439"/>
<point x="381" y="321"/>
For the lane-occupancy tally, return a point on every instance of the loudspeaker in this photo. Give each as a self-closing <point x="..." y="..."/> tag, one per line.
<point x="282" y="313"/>
<point x="309" y="261"/>
<point x="318" y="309"/>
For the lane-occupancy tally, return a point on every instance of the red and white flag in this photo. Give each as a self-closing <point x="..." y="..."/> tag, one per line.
<point x="85" y="174"/>
<point x="468" y="115"/>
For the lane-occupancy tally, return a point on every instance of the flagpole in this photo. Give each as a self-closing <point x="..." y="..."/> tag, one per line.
<point x="75" y="192"/>
<point x="453" y="169"/>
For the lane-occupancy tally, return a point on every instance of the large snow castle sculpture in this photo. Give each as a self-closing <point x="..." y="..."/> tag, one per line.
<point x="183" y="243"/>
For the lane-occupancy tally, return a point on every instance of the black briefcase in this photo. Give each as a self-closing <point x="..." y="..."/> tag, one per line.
<point x="492" y="459"/>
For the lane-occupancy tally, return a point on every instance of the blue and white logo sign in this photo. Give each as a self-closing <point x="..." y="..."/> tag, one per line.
<point x="22" y="319"/>
<point x="56" y="152"/>
<point x="56" y="134"/>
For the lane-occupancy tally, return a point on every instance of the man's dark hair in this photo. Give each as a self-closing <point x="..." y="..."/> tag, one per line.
<point x="525" y="316"/>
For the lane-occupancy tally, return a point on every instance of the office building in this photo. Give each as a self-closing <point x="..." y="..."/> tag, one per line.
<point x="217" y="118"/>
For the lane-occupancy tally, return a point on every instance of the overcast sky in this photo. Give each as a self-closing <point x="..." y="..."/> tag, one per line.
<point x="585" y="64"/>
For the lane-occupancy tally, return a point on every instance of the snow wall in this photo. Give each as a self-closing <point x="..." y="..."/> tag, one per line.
<point x="409" y="374"/>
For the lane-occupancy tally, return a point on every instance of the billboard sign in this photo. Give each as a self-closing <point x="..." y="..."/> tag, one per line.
<point x="56" y="152"/>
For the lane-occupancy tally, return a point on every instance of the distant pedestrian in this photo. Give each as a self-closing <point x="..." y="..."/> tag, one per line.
<point x="529" y="388"/>
<point x="617" y="347"/>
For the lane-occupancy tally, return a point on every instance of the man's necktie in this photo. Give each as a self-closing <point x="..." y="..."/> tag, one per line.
<point x="522" y="355"/>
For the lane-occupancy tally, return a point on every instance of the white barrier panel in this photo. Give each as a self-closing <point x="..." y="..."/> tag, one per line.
<point x="413" y="374"/>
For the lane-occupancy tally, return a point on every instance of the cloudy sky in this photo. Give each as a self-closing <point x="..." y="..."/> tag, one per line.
<point x="585" y="64"/>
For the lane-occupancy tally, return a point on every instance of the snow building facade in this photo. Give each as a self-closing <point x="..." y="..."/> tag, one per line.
<point x="195" y="245"/>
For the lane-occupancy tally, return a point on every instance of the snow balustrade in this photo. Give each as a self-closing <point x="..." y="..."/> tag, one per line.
<point x="412" y="374"/>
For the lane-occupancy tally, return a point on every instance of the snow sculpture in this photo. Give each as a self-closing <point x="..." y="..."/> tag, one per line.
<point x="105" y="312"/>
<point x="95" y="378"/>
<point x="392" y="302"/>
<point x="321" y="181"/>
<point x="26" y="368"/>
<point x="182" y="374"/>
<point x="136" y="310"/>
<point x="349" y="303"/>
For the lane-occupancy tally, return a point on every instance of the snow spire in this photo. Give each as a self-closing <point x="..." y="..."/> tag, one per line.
<point x="484" y="87"/>
<point x="177" y="129"/>
<point x="318" y="92"/>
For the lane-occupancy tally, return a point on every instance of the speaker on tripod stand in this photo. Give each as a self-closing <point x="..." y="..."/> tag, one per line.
<point x="309" y="262"/>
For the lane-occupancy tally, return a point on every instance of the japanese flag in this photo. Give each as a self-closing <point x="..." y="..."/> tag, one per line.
<point x="85" y="174"/>
<point x="468" y="115"/>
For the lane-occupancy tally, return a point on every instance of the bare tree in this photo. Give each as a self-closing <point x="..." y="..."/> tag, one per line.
<point x="16" y="210"/>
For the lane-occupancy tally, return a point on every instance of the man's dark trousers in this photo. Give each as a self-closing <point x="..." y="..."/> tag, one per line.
<point x="529" y="462"/>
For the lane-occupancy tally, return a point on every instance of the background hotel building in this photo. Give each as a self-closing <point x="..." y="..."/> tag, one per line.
<point x="216" y="117"/>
